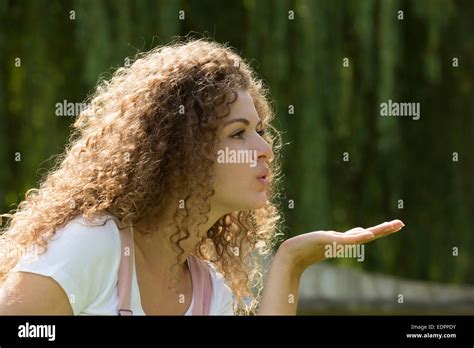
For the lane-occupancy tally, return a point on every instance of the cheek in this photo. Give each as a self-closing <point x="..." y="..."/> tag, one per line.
<point x="237" y="188"/>
<point x="232" y="177"/>
<point x="228" y="174"/>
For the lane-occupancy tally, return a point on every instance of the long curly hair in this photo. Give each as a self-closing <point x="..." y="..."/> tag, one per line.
<point x="148" y="131"/>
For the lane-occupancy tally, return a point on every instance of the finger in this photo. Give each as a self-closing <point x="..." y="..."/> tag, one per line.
<point x="360" y="235"/>
<point x="355" y="230"/>
<point x="352" y="231"/>
<point x="386" y="228"/>
<point x="363" y="236"/>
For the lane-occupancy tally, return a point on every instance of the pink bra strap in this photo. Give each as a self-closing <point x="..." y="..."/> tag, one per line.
<point x="202" y="286"/>
<point x="200" y="275"/>
<point x="126" y="272"/>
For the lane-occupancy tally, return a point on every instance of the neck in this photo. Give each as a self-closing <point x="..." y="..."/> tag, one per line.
<point x="157" y="253"/>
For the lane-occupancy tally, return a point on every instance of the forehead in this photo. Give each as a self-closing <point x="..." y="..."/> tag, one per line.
<point x="243" y="107"/>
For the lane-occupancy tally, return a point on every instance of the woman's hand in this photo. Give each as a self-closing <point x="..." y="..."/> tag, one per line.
<point x="280" y="295"/>
<point x="304" y="250"/>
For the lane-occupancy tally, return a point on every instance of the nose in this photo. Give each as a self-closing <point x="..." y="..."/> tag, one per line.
<point x="264" y="150"/>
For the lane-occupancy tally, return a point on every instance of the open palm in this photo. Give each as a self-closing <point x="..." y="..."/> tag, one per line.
<point x="309" y="248"/>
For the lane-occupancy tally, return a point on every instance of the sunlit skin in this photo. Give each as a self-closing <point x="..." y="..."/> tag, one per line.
<point x="308" y="248"/>
<point x="237" y="185"/>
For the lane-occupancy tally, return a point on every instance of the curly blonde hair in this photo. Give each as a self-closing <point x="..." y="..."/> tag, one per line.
<point x="147" y="132"/>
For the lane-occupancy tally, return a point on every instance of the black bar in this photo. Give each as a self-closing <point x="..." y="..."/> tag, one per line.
<point x="291" y="330"/>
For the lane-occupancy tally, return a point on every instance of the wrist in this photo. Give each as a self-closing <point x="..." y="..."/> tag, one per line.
<point x="286" y="259"/>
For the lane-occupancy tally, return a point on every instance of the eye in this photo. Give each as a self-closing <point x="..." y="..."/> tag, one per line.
<point x="238" y="135"/>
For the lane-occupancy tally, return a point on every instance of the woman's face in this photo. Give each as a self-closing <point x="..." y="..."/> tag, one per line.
<point x="242" y="159"/>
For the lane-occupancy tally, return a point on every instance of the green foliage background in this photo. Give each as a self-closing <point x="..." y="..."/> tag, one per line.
<point x="336" y="108"/>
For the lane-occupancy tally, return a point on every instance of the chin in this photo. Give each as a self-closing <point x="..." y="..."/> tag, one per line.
<point x="258" y="203"/>
<point x="255" y="200"/>
<point x="261" y="200"/>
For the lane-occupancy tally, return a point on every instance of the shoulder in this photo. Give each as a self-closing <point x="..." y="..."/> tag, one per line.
<point x="82" y="257"/>
<point x="83" y="242"/>
<point x="82" y="239"/>
<point x="98" y="235"/>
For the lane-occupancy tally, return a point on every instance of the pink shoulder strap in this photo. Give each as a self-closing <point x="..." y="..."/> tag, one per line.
<point x="125" y="274"/>
<point x="200" y="275"/>
<point x="202" y="286"/>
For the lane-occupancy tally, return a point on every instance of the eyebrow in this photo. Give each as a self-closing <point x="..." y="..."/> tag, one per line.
<point x="243" y="120"/>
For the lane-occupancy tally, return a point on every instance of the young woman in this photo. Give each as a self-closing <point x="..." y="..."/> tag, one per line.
<point x="179" y="148"/>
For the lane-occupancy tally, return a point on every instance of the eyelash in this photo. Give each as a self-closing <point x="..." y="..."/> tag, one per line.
<point x="239" y="134"/>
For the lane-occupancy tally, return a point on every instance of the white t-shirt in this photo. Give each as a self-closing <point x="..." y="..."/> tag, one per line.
<point x="84" y="259"/>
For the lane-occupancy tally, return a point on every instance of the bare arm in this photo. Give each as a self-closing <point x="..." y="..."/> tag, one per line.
<point x="25" y="293"/>
<point x="280" y="294"/>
